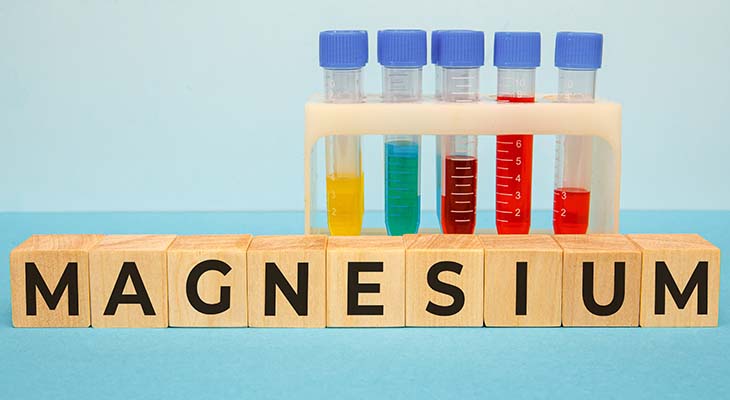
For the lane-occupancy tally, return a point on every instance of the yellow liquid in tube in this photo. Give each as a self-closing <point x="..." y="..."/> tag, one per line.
<point x="345" y="206"/>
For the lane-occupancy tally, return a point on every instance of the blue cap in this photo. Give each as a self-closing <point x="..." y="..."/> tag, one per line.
<point x="517" y="49"/>
<point x="435" y="47"/>
<point x="463" y="49"/>
<point x="343" y="49"/>
<point x="402" y="48"/>
<point x="578" y="50"/>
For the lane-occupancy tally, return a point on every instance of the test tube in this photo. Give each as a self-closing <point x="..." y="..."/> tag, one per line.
<point x="402" y="53"/>
<point x="578" y="56"/>
<point x="461" y="56"/>
<point x="516" y="55"/>
<point x="438" y="82"/>
<point x="342" y="54"/>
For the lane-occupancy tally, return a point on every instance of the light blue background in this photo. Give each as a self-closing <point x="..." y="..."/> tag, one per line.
<point x="198" y="105"/>
<point x="193" y="105"/>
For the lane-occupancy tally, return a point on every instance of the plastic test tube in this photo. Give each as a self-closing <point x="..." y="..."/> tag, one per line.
<point x="342" y="54"/>
<point x="435" y="53"/>
<point x="402" y="53"/>
<point x="461" y="56"/>
<point x="578" y="56"/>
<point x="516" y="55"/>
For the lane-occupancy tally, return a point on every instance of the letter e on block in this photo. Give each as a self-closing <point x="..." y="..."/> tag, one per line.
<point x="286" y="281"/>
<point x="601" y="280"/>
<point x="365" y="281"/>
<point x="523" y="280"/>
<point x="206" y="280"/>
<point x="49" y="281"/>
<point x="128" y="276"/>
<point x="680" y="280"/>
<point x="444" y="280"/>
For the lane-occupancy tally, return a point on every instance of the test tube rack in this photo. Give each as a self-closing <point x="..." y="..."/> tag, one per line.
<point x="600" y="119"/>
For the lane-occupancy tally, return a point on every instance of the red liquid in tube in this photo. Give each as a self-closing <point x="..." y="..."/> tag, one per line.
<point x="459" y="197"/>
<point x="571" y="209"/>
<point x="514" y="179"/>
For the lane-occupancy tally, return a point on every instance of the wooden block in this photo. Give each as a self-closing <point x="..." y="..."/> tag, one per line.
<point x="365" y="281"/>
<point x="286" y="281"/>
<point x="445" y="281"/>
<point x="206" y="280"/>
<point x="523" y="280"/>
<point x="128" y="276"/>
<point x="49" y="281"/>
<point x="680" y="280"/>
<point x="409" y="239"/>
<point x="601" y="280"/>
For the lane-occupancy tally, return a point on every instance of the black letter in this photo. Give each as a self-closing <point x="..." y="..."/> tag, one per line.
<point x="192" y="288"/>
<point x="697" y="280"/>
<point x="521" y="289"/>
<point x="619" y="289"/>
<point x="445" y="288"/>
<point x="354" y="288"/>
<point x="69" y="279"/>
<point x="275" y="278"/>
<point x="129" y="271"/>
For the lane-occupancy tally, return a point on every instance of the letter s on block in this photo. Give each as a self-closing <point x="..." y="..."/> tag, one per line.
<point x="456" y="293"/>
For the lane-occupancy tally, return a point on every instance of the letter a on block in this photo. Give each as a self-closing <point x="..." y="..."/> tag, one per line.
<point x="680" y="280"/>
<point x="286" y="281"/>
<point x="601" y="280"/>
<point x="49" y="281"/>
<point x="128" y="275"/>
<point x="444" y="280"/>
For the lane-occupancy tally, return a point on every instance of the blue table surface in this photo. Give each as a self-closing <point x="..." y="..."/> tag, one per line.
<point x="353" y="363"/>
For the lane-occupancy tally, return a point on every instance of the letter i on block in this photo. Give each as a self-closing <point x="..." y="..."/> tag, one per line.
<point x="128" y="276"/>
<point x="49" y="281"/>
<point x="601" y="280"/>
<point x="286" y="281"/>
<point x="444" y="280"/>
<point x="523" y="280"/>
<point x="206" y="280"/>
<point x="680" y="280"/>
<point x="365" y="281"/>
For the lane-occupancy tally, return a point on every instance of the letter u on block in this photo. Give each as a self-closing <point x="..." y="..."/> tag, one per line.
<point x="286" y="281"/>
<point x="601" y="280"/>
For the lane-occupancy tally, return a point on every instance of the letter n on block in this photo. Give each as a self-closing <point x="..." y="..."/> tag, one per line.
<point x="286" y="281"/>
<point x="206" y="280"/>
<point x="523" y="280"/>
<point x="680" y="280"/>
<point x="49" y="281"/>
<point x="444" y="280"/>
<point x="601" y="280"/>
<point x="128" y="276"/>
<point x="365" y="281"/>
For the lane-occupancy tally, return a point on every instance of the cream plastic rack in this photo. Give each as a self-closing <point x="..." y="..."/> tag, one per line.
<point x="601" y="119"/>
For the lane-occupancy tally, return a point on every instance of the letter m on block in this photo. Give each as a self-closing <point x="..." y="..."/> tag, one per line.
<point x="34" y="284"/>
<point x="665" y="282"/>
